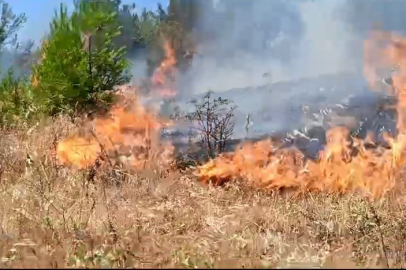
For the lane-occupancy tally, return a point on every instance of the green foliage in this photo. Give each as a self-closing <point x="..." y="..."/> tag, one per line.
<point x="146" y="27"/>
<point x="10" y="23"/>
<point x="83" y="56"/>
<point x="80" y="61"/>
<point x="15" y="92"/>
<point x="15" y="100"/>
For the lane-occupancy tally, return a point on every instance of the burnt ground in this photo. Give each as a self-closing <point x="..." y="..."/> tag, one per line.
<point x="303" y="109"/>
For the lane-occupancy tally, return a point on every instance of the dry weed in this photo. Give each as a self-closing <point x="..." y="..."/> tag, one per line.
<point x="51" y="216"/>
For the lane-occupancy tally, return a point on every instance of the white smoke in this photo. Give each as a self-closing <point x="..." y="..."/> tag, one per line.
<point x="306" y="39"/>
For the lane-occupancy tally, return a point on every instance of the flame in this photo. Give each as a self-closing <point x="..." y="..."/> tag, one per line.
<point x="128" y="135"/>
<point x="344" y="165"/>
<point x="34" y="80"/>
<point x="165" y="75"/>
<point x="34" y="76"/>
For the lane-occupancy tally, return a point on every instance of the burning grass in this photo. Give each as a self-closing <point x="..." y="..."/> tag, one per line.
<point x="346" y="164"/>
<point x="128" y="135"/>
<point x="51" y="216"/>
<point x="112" y="210"/>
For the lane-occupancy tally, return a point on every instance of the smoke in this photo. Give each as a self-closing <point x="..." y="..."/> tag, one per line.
<point x="249" y="44"/>
<point x="16" y="58"/>
<point x="139" y="66"/>
<point x="243" y="43"/>
<point x="324" y="48"/>
<point x="260" y="42"/>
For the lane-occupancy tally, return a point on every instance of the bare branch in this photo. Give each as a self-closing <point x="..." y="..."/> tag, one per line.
<point x="214" y="117"/>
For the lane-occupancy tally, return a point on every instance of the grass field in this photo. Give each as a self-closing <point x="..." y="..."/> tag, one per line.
<point x="52" y="216"/>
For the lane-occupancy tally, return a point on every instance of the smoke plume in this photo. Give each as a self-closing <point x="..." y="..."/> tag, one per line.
<point x="259" y="42"/>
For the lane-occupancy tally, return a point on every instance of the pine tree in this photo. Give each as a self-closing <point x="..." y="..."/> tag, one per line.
<point x="79" y="59"/>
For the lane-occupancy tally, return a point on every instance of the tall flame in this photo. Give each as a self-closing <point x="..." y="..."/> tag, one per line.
<point x="128" y="135"/>
<point x="343" y="166"/>
<point x="164" y="77"/>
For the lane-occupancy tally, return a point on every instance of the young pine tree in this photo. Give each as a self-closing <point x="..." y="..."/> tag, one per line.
<point x="79" y="59"/>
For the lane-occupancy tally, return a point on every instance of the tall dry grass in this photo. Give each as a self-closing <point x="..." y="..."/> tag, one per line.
<point x="51" y="216"/>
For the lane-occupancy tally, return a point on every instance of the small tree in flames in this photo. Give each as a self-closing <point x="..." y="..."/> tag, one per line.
<point x="214" y="119"/>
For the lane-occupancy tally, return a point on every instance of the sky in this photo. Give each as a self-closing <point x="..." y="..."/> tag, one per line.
<point x="40" y="12"/>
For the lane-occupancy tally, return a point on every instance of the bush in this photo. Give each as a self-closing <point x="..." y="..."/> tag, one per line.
<point x="215" y="122"/>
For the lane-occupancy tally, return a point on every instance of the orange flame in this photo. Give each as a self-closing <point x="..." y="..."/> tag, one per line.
<point x="165" y="75"/>
<point x="34" y="80"/>
<point x="127" y="135"/>
<point x="343" y="166"/>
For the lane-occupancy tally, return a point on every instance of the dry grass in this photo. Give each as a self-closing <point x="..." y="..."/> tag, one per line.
<point x="51" y="216"/>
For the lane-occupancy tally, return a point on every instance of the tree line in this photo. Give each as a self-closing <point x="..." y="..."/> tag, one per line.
<point x="87" y="51"/>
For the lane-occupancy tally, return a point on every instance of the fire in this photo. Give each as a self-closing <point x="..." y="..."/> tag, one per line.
<point x="79" y="152"/>
<point x="344" y="165"/>
<point x="34" y="80"/>
<point x="128" y="135"/>
<point x="164" y="77"/>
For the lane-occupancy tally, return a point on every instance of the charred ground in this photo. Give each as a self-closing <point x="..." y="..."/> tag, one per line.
<point x="299" y="113"/>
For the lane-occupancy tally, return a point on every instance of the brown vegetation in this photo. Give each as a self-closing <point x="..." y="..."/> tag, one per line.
<point x="52" y="216"/>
